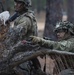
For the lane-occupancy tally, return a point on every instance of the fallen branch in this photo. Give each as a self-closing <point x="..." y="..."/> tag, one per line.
<point x="29" y="52"/>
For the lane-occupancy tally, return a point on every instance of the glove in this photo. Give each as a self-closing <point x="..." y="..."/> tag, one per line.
<point x="35" y="39"/>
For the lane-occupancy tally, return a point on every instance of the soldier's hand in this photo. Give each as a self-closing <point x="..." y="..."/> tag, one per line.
<point x="35" y="39"/>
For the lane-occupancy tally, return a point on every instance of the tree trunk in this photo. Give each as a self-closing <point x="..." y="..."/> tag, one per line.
<point x="70" y="4"/>
<point x="53" y="15"/>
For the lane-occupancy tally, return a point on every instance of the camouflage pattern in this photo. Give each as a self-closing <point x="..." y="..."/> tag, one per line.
<point x="65" y="25"/>
<point x="27" y="2"/>
<point x="24" y="26"/>
<point x="64" y="45"/>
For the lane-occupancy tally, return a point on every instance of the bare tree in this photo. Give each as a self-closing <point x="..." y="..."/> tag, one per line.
<point x="53" y="15"/>
<point x="70" y="6"/>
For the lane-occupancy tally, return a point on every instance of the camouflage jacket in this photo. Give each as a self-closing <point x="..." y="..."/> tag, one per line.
<point x="24" y="26"/>
<point x="64" y="45"/>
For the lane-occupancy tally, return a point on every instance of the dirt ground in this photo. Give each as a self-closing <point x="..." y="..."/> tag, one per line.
<point x="41" y="25"/>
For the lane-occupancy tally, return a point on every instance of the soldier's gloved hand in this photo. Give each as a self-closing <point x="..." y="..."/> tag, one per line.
<point x="35" y="39"/>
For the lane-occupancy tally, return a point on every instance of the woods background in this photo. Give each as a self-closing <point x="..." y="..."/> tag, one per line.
<point x="47" y="12"/>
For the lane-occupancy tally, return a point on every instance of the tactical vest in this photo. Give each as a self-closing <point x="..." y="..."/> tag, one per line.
<point x="33" y="29"/>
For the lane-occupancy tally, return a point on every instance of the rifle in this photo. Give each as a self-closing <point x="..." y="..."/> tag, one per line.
<point x="12" y="18"/>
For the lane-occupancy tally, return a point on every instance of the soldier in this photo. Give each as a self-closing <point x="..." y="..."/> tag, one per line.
<point x="25" y="25"/>
<point x="65" y="34"/>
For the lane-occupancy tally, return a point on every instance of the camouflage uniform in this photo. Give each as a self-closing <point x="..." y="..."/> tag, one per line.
<point x="64" y="45"/>
<point x="24" y="26"/>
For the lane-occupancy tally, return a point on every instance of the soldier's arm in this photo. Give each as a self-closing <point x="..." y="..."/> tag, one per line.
<point x="63" y="45"/>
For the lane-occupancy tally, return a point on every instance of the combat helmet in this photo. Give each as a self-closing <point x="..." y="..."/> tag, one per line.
<point x="26" y="2"/>
<point x="65" y="25"/>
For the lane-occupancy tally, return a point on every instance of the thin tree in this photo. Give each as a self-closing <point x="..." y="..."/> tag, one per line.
<point x="53" y="15"/>
<point x="70" y="6"/>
